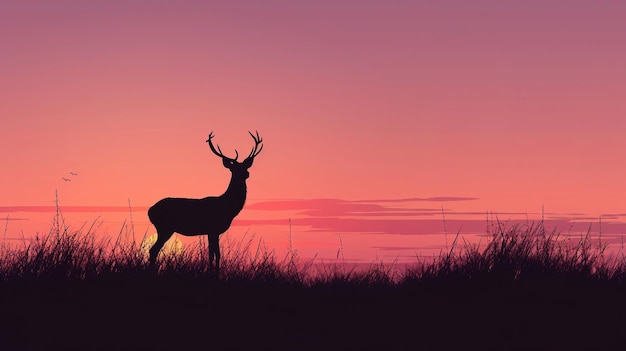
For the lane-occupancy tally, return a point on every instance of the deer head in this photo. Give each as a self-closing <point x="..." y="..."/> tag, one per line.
<point x="238" y="168"/>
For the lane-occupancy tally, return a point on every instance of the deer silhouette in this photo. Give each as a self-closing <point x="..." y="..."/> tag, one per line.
<point x="209" y="216"/>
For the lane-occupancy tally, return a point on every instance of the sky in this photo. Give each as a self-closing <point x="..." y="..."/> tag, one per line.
<point x="468" y="107"/>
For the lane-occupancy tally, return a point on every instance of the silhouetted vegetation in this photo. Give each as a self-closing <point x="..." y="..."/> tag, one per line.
<point x="524" y="288"/>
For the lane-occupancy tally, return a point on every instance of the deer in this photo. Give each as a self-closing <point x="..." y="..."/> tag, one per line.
<point x="210" y="216"/>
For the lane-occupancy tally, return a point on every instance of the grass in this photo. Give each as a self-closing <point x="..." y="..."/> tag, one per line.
<point x="515" y="255"/>
<point x="526" y="288"/>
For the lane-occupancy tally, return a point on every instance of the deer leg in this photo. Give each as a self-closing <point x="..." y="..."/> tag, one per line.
<point x="162" y="237"/>
<point x="211" y="254"/>
<point x="214" y="251"/>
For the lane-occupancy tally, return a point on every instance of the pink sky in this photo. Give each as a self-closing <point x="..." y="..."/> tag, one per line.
<point x="517" y="104"/>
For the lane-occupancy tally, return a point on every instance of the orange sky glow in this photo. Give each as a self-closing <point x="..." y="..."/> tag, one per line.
<point x="376" y="116"/>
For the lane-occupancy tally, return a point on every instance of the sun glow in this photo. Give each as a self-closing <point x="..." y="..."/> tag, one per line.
<point x="172" y="246"/>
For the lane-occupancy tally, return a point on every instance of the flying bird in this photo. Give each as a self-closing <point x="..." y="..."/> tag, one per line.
<point x="74" y="174"/>
<point x="65" y="179"/>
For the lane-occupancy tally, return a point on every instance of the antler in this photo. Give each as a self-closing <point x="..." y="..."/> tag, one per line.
<point x="218" y="152"/>
<point x="257" y="142"/>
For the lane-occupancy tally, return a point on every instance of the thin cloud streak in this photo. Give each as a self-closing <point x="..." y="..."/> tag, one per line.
<point x="430" y="226"/>
<point x="342" y="208"/>
<point x="416" y="199"/>
<point x="295" y="204"/>
<point x="365" y="208"/>
<point x="11" y="209"/>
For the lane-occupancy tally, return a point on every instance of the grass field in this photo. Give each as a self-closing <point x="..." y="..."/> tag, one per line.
<point x="526" y="289"/>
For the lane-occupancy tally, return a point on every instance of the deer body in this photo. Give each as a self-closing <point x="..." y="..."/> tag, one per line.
<point x="185" y="216"/>
<point x="209" y="216"/>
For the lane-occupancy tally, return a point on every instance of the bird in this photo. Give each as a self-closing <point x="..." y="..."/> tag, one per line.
<point x="74" y="174"/>
<point x="65" y="179"/>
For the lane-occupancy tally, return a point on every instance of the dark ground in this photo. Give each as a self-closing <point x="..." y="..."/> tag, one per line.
<point x="166" y="314"/>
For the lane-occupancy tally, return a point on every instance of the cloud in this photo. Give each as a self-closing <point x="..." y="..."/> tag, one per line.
<point x="289" y="205"/>
<point x="423" y="199"/>
<point x="417" y="226"/>
<point x="342" y="208"/>
<point x="390" y="217"/>
<point x="358" y="225"/>
<point x="401" y="248"/>
<point x="296" y="204"/>
<point x="11" y="209"/>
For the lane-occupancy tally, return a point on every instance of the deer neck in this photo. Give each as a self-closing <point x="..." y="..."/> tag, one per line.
<point x="235" y="195"/>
